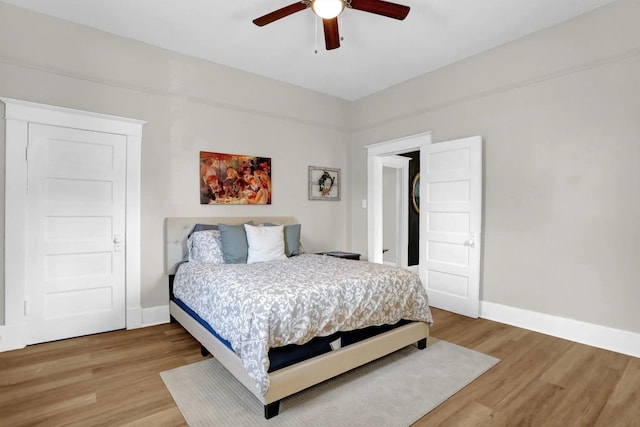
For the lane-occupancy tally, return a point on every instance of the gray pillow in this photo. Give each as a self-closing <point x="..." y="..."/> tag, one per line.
<point x="234" y="243"/>
<point x="202" y="227"/>
<point x="291" y="238"/>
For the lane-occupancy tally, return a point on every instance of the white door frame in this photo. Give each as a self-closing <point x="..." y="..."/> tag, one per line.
<point x="375" y="162"/>
<point x="18" y="115"/>
<point x="401" y="203"/>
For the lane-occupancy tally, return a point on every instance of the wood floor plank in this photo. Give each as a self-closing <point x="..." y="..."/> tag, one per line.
<point x="623" y="404"/>
<point x="527" y="361"/>
<point x="45" y="385"/>
<point x="45" y="410"/>
<point x="113" y="379"/>
<point x="166" y="417"/>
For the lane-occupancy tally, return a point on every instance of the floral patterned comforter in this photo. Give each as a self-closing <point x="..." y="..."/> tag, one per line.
<point x="272" y="304"/>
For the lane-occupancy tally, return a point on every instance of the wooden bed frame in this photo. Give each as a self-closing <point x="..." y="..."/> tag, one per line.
<point x="297" y="377"/>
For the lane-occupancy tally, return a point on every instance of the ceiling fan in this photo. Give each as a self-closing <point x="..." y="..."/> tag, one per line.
<point x="329" y="10"/>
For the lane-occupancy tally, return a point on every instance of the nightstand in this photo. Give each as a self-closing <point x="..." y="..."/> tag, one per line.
<point x="340" y="254"/>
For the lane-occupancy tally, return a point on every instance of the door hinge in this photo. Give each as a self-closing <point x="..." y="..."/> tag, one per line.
<point x="26" y="311"/>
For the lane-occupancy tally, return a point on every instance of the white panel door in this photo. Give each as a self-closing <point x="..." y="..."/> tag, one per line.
<point x="451" y="215"/>
<point x="75" y="233"/>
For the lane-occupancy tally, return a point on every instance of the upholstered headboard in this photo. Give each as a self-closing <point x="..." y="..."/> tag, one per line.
<point x="177" y="229"/>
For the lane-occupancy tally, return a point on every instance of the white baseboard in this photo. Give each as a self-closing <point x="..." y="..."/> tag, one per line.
<point x="13" y="337"/>
<point x="134" y="317"/>
<point x="155" y="315"/>
<point x="617" y="340"/>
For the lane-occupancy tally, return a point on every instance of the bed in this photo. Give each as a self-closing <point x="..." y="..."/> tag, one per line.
<point x="250" y="339"/>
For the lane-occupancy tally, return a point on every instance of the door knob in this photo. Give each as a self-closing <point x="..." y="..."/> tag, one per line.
<point x="471" y="242"/>
<point x="117" y="242"/>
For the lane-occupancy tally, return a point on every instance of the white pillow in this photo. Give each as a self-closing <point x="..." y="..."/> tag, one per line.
<point x="265" y="243"/>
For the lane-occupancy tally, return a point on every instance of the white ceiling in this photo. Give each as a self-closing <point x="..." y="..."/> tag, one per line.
<point x="376" y="52"/>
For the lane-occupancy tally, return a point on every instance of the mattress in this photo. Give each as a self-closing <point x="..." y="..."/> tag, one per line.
<point x="281" y="357"/>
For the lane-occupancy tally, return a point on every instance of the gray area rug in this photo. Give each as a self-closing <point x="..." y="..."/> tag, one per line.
<point x="396" y="390"/>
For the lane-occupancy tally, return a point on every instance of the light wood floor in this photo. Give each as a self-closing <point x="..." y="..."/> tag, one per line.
<point x="113" y="379"/>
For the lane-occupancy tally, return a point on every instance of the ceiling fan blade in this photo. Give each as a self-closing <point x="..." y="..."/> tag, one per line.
<point x="380" y="7"/>
<point x="280" y="13"/>
<point x="331" y="33"/>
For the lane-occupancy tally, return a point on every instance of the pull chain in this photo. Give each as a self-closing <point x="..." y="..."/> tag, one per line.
<point x="316" y="34"/>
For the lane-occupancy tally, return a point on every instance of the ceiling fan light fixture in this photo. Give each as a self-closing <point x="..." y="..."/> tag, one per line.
<point x="327" y="9"/>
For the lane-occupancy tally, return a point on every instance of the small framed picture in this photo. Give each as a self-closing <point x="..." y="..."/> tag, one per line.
<point x="324" y="183"/>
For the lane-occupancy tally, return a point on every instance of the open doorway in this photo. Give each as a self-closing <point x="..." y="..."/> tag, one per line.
<point x="401" y="210"/>
<point x="395" y="231"/>
<point x="379" y="155"/>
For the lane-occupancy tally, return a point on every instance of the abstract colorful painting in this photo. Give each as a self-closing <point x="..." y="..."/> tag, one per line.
<point x="234" y="179"/>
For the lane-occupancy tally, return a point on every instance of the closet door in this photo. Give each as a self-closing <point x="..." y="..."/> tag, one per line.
<point x="450" y="224"/>
<point x="76" y="205"/>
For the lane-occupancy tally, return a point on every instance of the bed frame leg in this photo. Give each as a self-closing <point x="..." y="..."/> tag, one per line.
<point x="422" y="344"/>
<point x="203" y="351"/>
<point x="271" y="409"/>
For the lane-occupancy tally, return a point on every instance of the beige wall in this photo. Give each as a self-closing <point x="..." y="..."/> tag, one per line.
<point x="559" y="112"/>
<point x="190" y="105"/>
